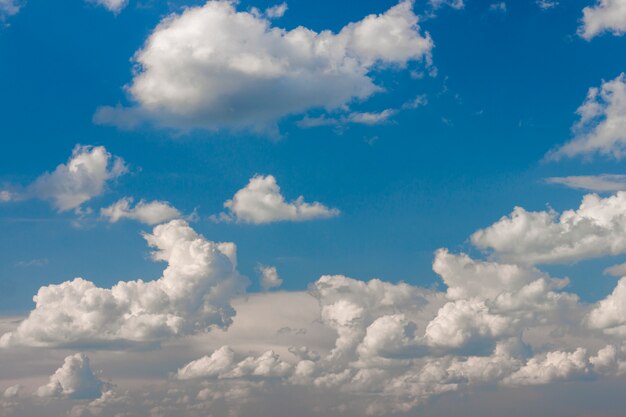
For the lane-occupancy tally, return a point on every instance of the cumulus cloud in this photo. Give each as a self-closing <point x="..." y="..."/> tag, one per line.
<point x="602" y="123"/>
<point x="553" y="366"/>
<point x="83" y="177"/>
<point x="596" y="183"/>
<point x="604" y="16"/>
<point x="262" y="202"/>
<point x="595" y="229"/>
<point x="151" y="213"/>
<point x="114" y="6"/>
<point x="610" y="313"/>
<point x="193" y="295"/>
<point x="75" y="380"/>
<point x="215" y="67"/>
<point x="269" y="277"/>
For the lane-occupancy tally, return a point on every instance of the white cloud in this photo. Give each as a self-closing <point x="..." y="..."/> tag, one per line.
<point x="455" y="4"/>
<point x="371" y="118"/>
<point x="610" y="313"/>
<point x="616" y="270"/>
<point x="262" y="202"/>
<point x="12" y="391"/>
<point x="75" y="380"/>
<point x="604" y="16"/>
<point x="550" y="367"/>
<point x="498" y="7"/>
<point x="547" y="4"/>
<point x="82" y="178"/>
<point x="222" y="364"/>
<point x="269" y="277"/>
<point x="596" y="183"/>
<point x="193" y="295"/>
<point x="8" y="8"/>
<point x="277" y="11"/>
<point x="215" y="67"/>
<point x="114" y="6"/>
<point x="595" y="229"/>
<point x="151" y="213"/>
<point x="602" y="125"/>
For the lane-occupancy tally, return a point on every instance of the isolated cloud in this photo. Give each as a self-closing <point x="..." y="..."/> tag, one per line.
<point x="262" y="202"/>
<point x="455" y="4"/>
<point x="602" y="125"/>
<point x="75" y="380"/>
<point x="82" y="178"/>
<point x="114" y="6"/>
<point x="151" y="213"/>
<point x="597" y="228"/>
<point x="269" y="277"/>
<point x="547" y="4"/>
<point x="8" y="8"/>
<point x="215" y="67"/>
<point x="193" y="295"/>
<point x="605" y="16"/>
<point x="596" y="183"/>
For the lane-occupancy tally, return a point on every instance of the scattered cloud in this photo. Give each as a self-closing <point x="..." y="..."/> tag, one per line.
<point x="547" y="4"/>
<point x="269" y="277"/>
<point x="602" y="125"/>
<point x="604" y="16"/>
<point x="8" y="8"/>
<point x="597" y="183"/>
<point x="498" y="7"/>
<point x="618" y="270"/>
<point x="193" y="295"/>
<point x="277" y="11"/>
<point x="114" y="6"/>
<point x="75" y="380"/>
<point x="150" y="213"/>
<point x="83" y="177"/>
<point x="214" y="67"/>
<point x="455" y="4"/>
<point x="261" y="202"/>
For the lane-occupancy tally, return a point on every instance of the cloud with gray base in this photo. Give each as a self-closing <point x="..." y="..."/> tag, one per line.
<point x="214" y="67"/>
<point x="84" y="176"/>
<point x="261" y="202"/>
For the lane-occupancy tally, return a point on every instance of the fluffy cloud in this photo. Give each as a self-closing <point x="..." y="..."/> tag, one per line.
<point x="82" y="178"/>
<point x="605" y="16"/>
<point x="261" y="202"/>
<point x="595" y="183"/>
<point x="602" y="123"/>
<point x="610" y="313"/>
<point x="222" y="364"/>
<point x="74" y="380"/>
<point x="269" y="277"/>
<point x="114" y="6"/>
<point x="597" y="228"/>
<point x="552" y="366"/>
<point x="193" y="295"/>
<point x="151" y="213"/>
<point x="214" y="67"/>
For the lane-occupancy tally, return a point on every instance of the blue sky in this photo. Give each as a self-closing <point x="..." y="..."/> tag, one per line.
<point x="458" y="133"/>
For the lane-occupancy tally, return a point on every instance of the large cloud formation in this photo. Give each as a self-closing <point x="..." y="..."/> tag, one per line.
<point x="604" y="16"/>
<point x="83" y="177"/>
<point x="214" y="67"/>
<point x="500" y="322"/>
<point x="193" y="295"/>
<point x="261" y="201"/>
<point x="602" y="125"/>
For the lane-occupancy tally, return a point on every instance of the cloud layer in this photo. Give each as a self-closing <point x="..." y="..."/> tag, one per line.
<point x="214" y="67"/>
